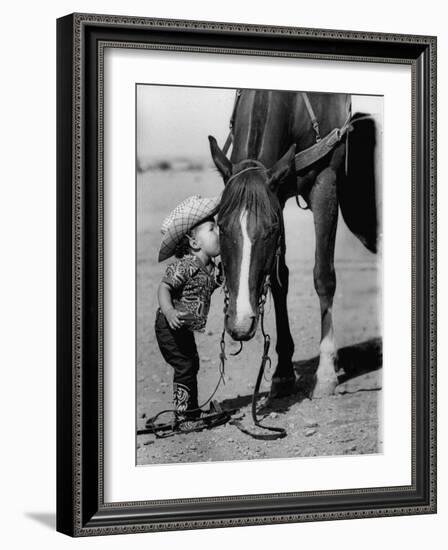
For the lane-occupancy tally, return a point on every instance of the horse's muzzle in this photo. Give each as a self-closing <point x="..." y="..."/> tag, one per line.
<point x="243" y="330"/>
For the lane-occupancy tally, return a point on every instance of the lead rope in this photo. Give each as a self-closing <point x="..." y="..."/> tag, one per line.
<point x="278" y="432"/>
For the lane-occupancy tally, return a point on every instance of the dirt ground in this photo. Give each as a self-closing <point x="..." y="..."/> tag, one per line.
<point x="346" y="423"/>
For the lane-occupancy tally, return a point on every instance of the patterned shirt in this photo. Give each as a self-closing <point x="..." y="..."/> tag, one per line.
<point x="192" y="285"/>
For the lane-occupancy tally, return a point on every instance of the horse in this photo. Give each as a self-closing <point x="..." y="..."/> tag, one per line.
<point x="269" y="129"/>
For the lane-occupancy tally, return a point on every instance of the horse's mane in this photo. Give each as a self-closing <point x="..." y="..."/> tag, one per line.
<point x="247" y="191"/>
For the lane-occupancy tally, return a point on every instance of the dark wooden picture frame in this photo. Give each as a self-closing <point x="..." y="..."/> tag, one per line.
<point x="81" y="509"/>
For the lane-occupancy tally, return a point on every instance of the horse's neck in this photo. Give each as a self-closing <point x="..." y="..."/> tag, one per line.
<point x="262" y="126"/>
<point x="268" y="123"/>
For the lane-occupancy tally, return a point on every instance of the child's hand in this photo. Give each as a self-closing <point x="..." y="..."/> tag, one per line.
<point x="175" y="318"/>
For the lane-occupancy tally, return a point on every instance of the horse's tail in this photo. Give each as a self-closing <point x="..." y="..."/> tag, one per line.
<point x="357" y="191"/>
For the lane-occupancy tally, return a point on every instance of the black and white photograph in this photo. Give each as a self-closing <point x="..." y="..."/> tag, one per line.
<point x="258" y="274"/>
<point x="224" y="249"/>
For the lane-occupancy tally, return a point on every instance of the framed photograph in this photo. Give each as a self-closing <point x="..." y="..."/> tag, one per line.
<point x="246" y="274"/>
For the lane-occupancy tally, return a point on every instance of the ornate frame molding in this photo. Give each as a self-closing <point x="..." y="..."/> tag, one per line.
<point x="81" y="42"/>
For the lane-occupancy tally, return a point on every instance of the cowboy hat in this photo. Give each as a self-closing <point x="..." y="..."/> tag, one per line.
<point x="182" y="219"/>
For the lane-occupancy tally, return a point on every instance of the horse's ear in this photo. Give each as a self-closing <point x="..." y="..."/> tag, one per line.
<point x="222" y="163"/>
<point x="281" y="168"/>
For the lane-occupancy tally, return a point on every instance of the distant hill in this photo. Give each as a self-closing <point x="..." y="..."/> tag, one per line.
<point x="176" y="164"/>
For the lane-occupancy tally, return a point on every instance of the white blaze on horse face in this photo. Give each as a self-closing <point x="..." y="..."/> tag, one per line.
<point x="244" y="311"/>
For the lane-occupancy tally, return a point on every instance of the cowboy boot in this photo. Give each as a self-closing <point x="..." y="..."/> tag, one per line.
<point x="183" y="402"/>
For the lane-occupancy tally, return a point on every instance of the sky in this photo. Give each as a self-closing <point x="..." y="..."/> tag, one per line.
<point x="174" y="121"/>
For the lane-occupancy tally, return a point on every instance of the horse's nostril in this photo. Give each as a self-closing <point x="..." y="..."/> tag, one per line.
<point x="253" y="322"/>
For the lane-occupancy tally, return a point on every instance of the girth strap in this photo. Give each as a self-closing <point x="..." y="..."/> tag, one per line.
<point x="304" y="159"/>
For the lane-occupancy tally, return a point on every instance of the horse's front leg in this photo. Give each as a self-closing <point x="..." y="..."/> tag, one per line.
<point x="283" y="381"/>
<point x="324" y="204"/>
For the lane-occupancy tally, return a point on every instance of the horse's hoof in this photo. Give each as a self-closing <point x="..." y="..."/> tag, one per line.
<point x="324" y="388"/>
<point x="281" y="387"/>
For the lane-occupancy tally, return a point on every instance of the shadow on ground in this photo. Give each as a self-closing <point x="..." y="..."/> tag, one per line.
<point x="353" y="362"/>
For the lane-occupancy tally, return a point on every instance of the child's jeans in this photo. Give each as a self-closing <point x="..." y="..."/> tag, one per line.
<point x="178" y="348"/>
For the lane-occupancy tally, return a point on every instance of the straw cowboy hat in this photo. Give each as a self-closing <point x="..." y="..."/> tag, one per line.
<point x="182" y="219"/>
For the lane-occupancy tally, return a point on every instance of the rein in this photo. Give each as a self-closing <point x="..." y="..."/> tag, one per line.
<point x="159" y="431"/>
<point x="278" y="432"/>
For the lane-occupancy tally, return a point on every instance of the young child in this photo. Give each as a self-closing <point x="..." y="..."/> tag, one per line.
<point x="190" y="233"/>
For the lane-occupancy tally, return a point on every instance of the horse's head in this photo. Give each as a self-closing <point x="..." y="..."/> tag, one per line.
<point x="251" y="232"/>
